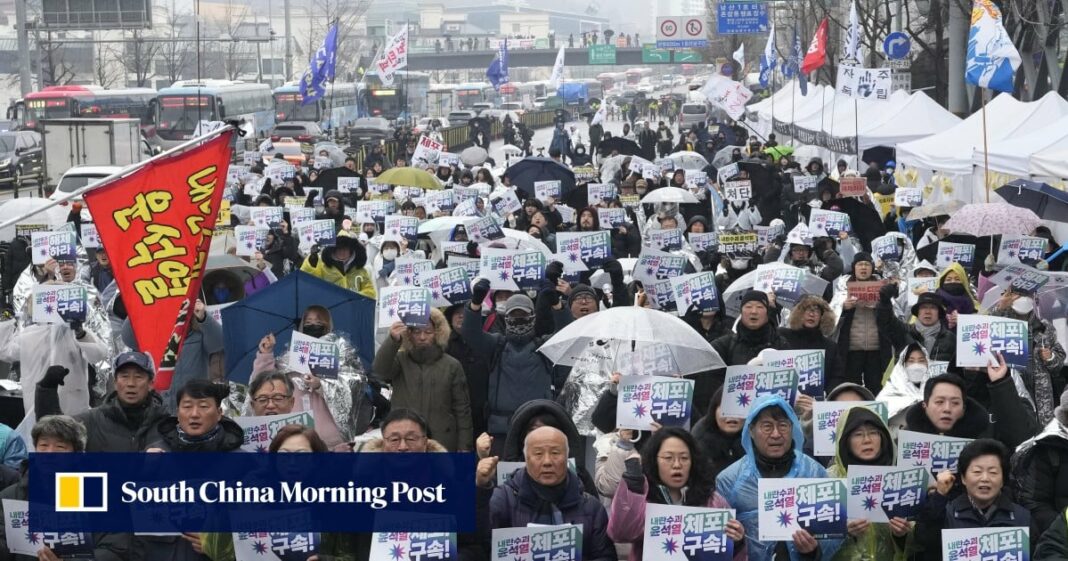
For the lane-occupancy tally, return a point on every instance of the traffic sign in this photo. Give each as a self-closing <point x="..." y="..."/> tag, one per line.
<point x="733" y="18"/>
<point x="602" y="54"/>
<point x="727" y="69"/>
<point x="653" y="55"/>
<point x="680" y="32"/>
<point x="897" y="46"/>
<point x="687" y="56"/>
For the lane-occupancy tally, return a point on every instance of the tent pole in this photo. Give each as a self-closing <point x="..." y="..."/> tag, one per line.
<point x="986" y="150"/>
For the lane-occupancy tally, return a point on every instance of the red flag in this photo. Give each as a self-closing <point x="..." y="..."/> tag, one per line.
<point x="156" y="225"/>
<point x="817" y="50"/>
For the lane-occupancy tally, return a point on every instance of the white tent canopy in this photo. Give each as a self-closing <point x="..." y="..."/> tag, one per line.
<point x="1013" y="155"/>
<point x="918" y="118"/>
<point x="1052" y="162"/>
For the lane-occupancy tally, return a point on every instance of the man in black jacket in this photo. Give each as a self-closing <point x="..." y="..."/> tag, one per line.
<point x="754" y="332"/>
<point x="123" y="423"/>
<point x="929" y="330"/>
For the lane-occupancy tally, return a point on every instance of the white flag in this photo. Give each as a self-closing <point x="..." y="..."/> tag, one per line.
<point x="600" y="115"/>
<point x="727" y="94"/>
<point x="769" y="49"/>
<point x="739" y="56"/>
<point x="394" y="56"/>
<point x="852" y="45"/>
<point x="558" y="71"/>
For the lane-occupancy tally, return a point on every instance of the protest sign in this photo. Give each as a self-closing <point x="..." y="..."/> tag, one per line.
<point x="698" y="533"/>
<point x="547" y="191"/>
<point x="787" y="505"/>
<point x="61" y="245"/>
<point x="1021" y="250"/>
<point x="485" y="229"/>
<point x="275" y="546"/>
<point x="661" y="295"/>
<point x="908" y="197"/>
<point x="511" y="269"/>
<point x="90" y="237"/>
<point x="866" y="292"/>
<point x="600" y="193"/>
<point x="828" y="223"/>
<point x="738" y="244"/>
<point x="266" y="216"/>
<point x="852" y="186"/>
<point x="348" y="184"/>
<point x="649" y="359"/>
<point x="250" y="158"/>
<point x="310" y="355"/>
<point x="447" y="286"/>
<point x="980" y="338"/>
<point x="505" y="202"/>
<point x="21" y="540"/>
<point x="439" y="201"/>
<point x="728" y="172"/>
<point x="406" y="270"/>
<point x="260" y="431"/>
<point x="59" y="303"/>
<point x="697" y="290"/>
<point x="250" y="239"/>
<point x="300" y="216"/>
<point x="664" y="240"/>
<point x="318" y="232"/>
<point x="644" y="400"/>
<point x="591" y="249"/>
<point x="409" y="305"/>
<point x="788" y="283"/>
<point x="810" y="365"/>
<point x="405" y="193"/>
<point x="398" y="227"/>
<point x="949" y="253"/>
<point x="745" y="384"/>
<point x="374" y="211"/>
<point x="918" y="286"/>
<point x="654" y="266"/>
<point x="536" y="543"/>
<point x="427" y="151"/>
<point x="935" y="453"/>
<point x="825" y="422"/>
<point x="611" y="218"/>
<point x="983" y="544"/>
<point x="567" y="214"/>
<point x="414" y="546"/>
<point x="887" y="248"/>
<point x="738" y="191"/>
<point x="703" y="241"/>
<point x="805" y="183"/>
<point x="879" y="493"/>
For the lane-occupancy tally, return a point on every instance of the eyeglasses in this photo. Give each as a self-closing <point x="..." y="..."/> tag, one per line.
<point x="409" y="439"/>
<point x="767" y="427"/>
<point x="277" y="399"/>
<point x="671" y="459"/>
<point x="865" y="434"/>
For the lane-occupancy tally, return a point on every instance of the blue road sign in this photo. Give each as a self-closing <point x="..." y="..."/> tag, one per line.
<point x="734" y="18"/>
<point x="897" y="45"/>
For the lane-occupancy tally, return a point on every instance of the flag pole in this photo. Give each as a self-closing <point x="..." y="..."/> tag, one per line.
<point x="986" y="151"/>
<point x="119" y="174"/>
<point x="856" y="129"/>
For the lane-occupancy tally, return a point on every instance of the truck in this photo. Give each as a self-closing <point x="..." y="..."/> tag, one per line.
<point x="90" y="142"/>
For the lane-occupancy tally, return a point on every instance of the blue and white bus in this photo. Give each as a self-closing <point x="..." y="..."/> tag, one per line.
<point x="188" y="102"/>
<point x="338" y="109"/>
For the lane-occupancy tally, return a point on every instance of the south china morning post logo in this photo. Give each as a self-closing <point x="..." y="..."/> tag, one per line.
<point x="81" y="492"/>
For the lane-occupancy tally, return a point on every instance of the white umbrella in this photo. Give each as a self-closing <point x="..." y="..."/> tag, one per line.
<point x="52" y="217"/>
<point x="511" y="150"/>
<point x="688" y="160"/>
<point x="640" y="327"/>
<point x="474" y="156"/>
<point x="612" y="164"/>
<point x="669" y="195"/>
<point x="732" y="297"/>
<point x="517" y="239"/>
<point x="445" y="223"/>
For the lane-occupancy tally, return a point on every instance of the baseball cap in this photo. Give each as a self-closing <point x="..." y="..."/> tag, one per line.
<point x="519" y="302"/>
<point x="138" y="359"/>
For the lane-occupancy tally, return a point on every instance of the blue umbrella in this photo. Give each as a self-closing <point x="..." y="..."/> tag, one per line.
<point x="525" y="172"/>
<point x="278" y="308"/>
<point x="1048" y="202"/>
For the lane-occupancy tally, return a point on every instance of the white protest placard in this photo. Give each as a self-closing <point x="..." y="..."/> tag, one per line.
<point x="738" y="191"/>
<point x="348" y="184"/>
<point x="375" y="188"/>
<point x="696" y="178"/>
<point x="59" y="303"/>
<point x="266" y="216"/>
<point x="279" y="173"/>
<point x="825" y="418"/>
<point x="300" y="216"/>
<point x="888" y="248"/>
<point x="90" y="237"/>
<point x="415" y="545"/>
<point x="1021" y="250"/>
<point x="469" y="264"/>
<point x="745" y="384"/>
<point x="512" y="269"/>
<point x="446" y="159"/>
<point x="918" y="286"/>
<point x="22" y="541"/>
<point x="980" y="338"/>
<point x="374" y="211"/>
<point x="656" y="266"/>
<point x="908" y="197"/>
<point x="407" y="270"/>
<point x="448" y="286"/>
<point x="828" y="222"/>
<point x="785" y="506"/>
<point x="275" y="546"/>
<point x="567" y="214"/>
<point x="700" y="241"/>
<point x="427" y="151"/>
<point x="805" y="183"/>
<point x="439" y="201"/>
<point x="505" y="202"/>
<point x="644" y="400"/>
<point x="810" y="365"/>
<point x="409" y="305"/>
<point x="254" y="187"/>
<point x="310" y="355"/>
<point x="320" y="232"/>
<point x="398" y="227"/>
<point x="697" y="290"/>
<point x="558" y="543"/>
<point x="249" y="158"/>
<point x="260" y="431"/>
<point x="611" y="218"/>
<point x="696" y="532"/>
<point x="934" y="452"/>
<point x="547" y="191"/>
<point x="485" y="229"/>
<point x="984" y="544"/>
<point x="664" y="240"/>
<point x="250" y="239"/>
<point x="728" y="172"/>
<point x="879" y="493"/>
<point x="405" y="193"/>
<point x="61" y="245"/>
<point x="600" y="193"/>
<point x="950" y="252"/>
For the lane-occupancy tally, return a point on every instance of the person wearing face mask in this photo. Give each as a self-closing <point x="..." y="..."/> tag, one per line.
<point x="956" y="291"/>
<point x="518" y="373"/>
<point x="735" y="266"/>
<point x="719" y="437"/>
<point x="904" y="387"/>
<point x="1047" y="354"/>
<point x="427" y="380"/>
<point x="385" y="262"/>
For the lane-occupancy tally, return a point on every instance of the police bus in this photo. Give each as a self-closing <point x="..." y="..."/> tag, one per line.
<point x="188" y="102"/>
<point x="337" y="109"/>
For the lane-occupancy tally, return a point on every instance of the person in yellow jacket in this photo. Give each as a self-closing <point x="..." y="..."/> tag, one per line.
<point x="343" y="265"/>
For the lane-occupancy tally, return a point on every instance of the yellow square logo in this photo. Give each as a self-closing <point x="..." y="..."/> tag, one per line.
<point x="81" y="492"/>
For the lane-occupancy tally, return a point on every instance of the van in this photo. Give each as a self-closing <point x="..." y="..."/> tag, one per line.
<point x="691" y="114"/>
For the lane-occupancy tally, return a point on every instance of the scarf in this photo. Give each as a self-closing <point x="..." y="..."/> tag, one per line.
<point x="548" y="498"/>
<point x="929" y="333"/>
<point x="190" y="439"/>
<point x="771" y="468"/>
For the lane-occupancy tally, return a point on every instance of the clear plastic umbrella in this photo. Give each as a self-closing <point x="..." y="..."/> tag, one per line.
<point x="669" y="195"/>
<point x="631" y="328"/>
<point x="810" y="284"/>
<point x="688" y="160"/>
<point x="51" y="218"/>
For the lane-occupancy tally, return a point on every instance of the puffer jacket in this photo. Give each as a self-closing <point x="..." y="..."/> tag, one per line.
<point x="1039" y="375"/>
<point x="738" y="484"/>
<point x="109" y="428"/>
<point x="437" y="390"/>
<point x="940" y="513"/>
<point x="1042" y="482"/>
<point x="229" y="438"/>
<point x="797" y="337"/>
<point x="517" y="432"/>
<point x="515" y="505"/>
<point x="354" y="276"/>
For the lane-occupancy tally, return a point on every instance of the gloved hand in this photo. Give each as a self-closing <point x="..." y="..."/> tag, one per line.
<point x="76" y="325"/>
<point x="553" y="272"/>
<point x="472" y="249"/>
<point x="313" y="257"/>
<point x="53" y="377"/>
<point x="552" y="297"/>
<point x="888" y="292"/>
<point x="614" y="270"/>
<point x="480" y="291"/>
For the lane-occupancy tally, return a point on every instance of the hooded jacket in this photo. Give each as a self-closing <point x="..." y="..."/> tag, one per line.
<point x="898" y="392"/>
<point x="720" y="448"/>
<point x="516" y="504"/>
<point x="513" y="443"/>
<point x="1041" y="482"/>
<point x="738" y="483"/>
<point x="435" y="387"/>
<point x="797" y="337"/>
<point x="353" y="276"/>
<point x="109" y="427"/>
<point x="966" y="303"/>
<point x="878" y="543"/>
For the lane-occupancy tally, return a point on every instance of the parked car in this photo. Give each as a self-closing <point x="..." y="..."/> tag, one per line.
<point x="301" y="131"/>
<point x="481" y="106"/>
<point x="539" y="102"/>
<point x="292" y="150"/>
<point x="426" y="123"/>
<point x="79" y="176"/>
<point x="21" y="156"/>
<point x="513" y="106"/>
<point x="369" y="130"/>
<point x="461" y="117"/>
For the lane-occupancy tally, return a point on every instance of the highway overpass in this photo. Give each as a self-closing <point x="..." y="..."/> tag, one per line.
<point x="545" y="58"/>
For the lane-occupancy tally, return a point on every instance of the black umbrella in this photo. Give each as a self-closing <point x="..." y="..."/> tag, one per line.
<point x="983" y="247"/>
<point x="327" y="178"/>
<point x="525" y="172"/>
<point x="620" y="145"/>
<point x="866" y="222"/>
<point x="1048" y="202"/>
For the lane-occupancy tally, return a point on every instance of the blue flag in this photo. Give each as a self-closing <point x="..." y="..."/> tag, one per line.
<point x="992" y="58"/>
<point x="795" y="61"/>
<point x="767" y="60"/>
<point x="498" y="68"/>
<point x="320" y="70"/>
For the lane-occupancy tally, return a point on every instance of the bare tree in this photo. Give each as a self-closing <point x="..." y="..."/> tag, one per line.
<point x="139" y="59"/>
<point x="236" y="57"/>
<point x="347" y="14"/>
<point x="177" y="53"/>
<point x="107" y="70"/>
<point x="53" y="65"/>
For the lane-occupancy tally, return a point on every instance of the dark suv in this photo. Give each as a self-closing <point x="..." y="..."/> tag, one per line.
<point x="21" y="156"/>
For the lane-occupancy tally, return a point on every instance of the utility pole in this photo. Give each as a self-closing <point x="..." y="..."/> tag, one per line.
<point x="25" y="81"/>
<point x="289" y="40"/>
<point x="958" y="43"/>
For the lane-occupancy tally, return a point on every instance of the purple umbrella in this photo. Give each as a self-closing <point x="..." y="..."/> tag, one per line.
<point x="991" y="219"/>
